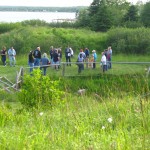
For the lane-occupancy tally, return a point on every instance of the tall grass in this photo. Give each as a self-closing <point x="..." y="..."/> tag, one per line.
<point x="78" y="123"/>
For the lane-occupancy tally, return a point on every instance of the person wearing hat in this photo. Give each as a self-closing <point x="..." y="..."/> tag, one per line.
<point x="95" y="58"/>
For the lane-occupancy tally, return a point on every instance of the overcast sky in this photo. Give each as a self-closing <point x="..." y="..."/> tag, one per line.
<point x="51" y="2"/>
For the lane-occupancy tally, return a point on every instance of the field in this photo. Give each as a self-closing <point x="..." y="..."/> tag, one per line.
<point x="112" y="114"/>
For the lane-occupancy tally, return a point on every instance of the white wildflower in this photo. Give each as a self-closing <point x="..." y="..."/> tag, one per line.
<point x="41" y="113"/>
<point x="103" y="127"/>
<point x="110" y="120"/>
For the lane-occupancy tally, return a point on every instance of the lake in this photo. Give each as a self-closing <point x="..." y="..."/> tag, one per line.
<point x="6" y="16"/>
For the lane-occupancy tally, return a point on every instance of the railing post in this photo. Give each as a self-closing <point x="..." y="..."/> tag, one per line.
<point x="22" y="74"/>
<point x="17" y="80"/>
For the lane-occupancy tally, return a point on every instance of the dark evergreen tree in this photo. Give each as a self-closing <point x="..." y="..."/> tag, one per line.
<point x="93" y="9"/>
<point x="131" y="15"/>
<point x="101" y="21"/>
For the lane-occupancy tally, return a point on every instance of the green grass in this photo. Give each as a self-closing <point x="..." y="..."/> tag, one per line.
<point x="77" y="123"/>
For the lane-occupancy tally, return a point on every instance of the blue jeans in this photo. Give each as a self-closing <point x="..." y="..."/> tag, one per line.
<point x="44" y="69"/>
<point x="80" y="67"/>
<point x="37" y="61"/>
<point x="4" y="60"/>
<point x="31" y="66"/>
<point x="12" y="60"/>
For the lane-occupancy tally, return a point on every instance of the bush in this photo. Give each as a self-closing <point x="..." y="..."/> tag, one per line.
<point x="6" y="27"/>
<point x="38" y="90"/>
<point x="129" y="41"/>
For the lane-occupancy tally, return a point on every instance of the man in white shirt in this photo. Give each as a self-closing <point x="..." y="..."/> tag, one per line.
<point x="103" y="62"/>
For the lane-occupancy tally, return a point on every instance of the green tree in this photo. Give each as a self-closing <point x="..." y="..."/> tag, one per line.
<point x="93" y="9"/>
<point x="101" y="21"/>
<point x="145" y="15"/>
<point x="131" y="15"/>
<point x="83" y="19"/>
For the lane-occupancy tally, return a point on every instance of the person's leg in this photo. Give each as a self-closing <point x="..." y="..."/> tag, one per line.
<point x="14" y="61"/>
<point x="31" y="66"/>
<point x="69" y="60"/>
<point x="44" y="71"/>
<point x="38" y="62"/>
<point x="94" y="65"/>
<point x="110" y="64"/>
<point x="104" y="68"/>
<point x="79" y="68"/>
<point x="10" y="61"/>
<point x="35" y="62"/>
<point x="3" y="60"/>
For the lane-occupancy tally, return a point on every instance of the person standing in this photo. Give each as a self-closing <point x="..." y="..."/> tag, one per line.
<point x="51" y="52"/>
<point x="109" y="57"/>
<point x="87" y="53"/>
<point x="56" y="59"/>
<point x="103" y="62"/>
<point x="59" y="57"/>
<point x="68" y="56"/>
<point x="37" y="56"/>
<point x="31" y="61"/>
<point x="12" y="54"/>
<point x="3" y="55"/>
<point x="80" y="60"/>
<point x="44" y="62"/>
<point x="83" y="56"/>
<point x="95" y="58"/>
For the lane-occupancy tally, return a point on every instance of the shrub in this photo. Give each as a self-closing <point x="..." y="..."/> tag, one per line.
<point x="129" y="41"/>
<point x="38" y="90"/>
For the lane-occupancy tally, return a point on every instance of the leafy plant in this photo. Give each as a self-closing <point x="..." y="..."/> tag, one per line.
<point x="38" y="90"/>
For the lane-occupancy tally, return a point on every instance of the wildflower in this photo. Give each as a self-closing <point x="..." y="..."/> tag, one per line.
<point x="103" y="127"/>
<point x="109" y="120"/>
<point x="41" y="113"/>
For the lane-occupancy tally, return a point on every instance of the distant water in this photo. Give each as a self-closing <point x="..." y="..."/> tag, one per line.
<point x="8" y="17"/>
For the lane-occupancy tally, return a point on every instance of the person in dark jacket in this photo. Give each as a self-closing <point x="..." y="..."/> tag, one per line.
<point x="68" y="55"/>
<point x="37" y="56"/>
<point x="56" y="59"/>
<point x="31" y="61"/>
<point x="3" y="55"/>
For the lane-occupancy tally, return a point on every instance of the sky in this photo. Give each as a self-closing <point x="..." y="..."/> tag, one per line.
<point x="49" y="3"/>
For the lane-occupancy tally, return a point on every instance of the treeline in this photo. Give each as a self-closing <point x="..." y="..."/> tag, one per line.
<point x="42" y="9"/>
<point x="25" y="36"/>
<point x="102" y="15"/>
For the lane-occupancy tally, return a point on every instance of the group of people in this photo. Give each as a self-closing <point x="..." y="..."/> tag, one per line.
<point x="85" y="57"/>
<point x="11" y="54"/>
<point x="90" y="60"/>
<point x="36" y="59"/>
